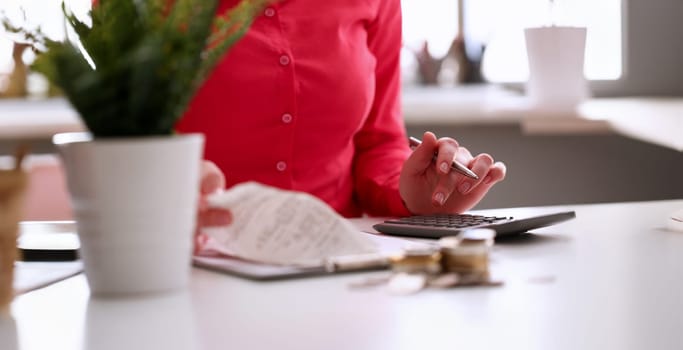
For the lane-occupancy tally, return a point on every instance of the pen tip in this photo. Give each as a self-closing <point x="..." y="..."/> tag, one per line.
<point x="413" y="141"/>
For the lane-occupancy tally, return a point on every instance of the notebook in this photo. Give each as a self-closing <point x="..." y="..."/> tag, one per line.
<point x="387" y="247"/>
<point x="48" y="252"/>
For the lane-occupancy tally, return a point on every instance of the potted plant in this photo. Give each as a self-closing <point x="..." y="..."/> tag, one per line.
<point x="130" y="72"/>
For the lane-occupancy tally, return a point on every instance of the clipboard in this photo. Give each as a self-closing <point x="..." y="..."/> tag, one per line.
<point x="265" y="272"/>
<point x="388" y="246"/>
<point x="48" y="254"/>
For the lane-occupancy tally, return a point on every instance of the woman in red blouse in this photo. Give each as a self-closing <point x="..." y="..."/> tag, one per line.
<point x="309" y="100"/>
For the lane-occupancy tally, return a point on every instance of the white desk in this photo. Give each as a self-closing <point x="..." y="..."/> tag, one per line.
<point x="20" y="118"/>
<point x="610" y="279"/>
<point x="648" y="119"/>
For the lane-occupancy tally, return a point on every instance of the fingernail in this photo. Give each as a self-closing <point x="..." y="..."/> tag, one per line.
<point x="464" y="187"/>
<point x="444" y="168"/>
<point x="487" y="180"/>
<point x="440" y="198"/>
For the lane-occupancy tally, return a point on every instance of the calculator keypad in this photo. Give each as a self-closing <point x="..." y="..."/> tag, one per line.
<point x="449" y="220"/>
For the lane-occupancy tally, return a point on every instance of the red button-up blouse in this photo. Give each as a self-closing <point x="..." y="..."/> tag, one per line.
<point x="309" y="100"/>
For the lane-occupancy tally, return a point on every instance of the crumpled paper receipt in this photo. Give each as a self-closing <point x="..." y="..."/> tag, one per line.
<point x="282" y="227"/>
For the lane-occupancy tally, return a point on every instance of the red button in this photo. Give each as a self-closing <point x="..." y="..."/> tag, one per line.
<point x="281" y="166"/>
<point x="284" y="60"/>
<point x="287" y="118"/>
<point x="269" y="12"/>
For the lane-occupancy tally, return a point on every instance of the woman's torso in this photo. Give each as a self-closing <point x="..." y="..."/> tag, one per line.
<point x="283" y="106"/>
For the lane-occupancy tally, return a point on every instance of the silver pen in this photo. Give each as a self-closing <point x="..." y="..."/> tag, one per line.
<point x="357" y="262"/>
<point x="414" y="142"/>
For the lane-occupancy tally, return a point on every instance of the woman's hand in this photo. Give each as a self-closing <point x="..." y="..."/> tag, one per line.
<point x="211" y="181"/>
<point x="429" y="188"/>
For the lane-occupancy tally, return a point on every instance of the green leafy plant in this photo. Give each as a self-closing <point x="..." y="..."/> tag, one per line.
<point x="134" y="69"/>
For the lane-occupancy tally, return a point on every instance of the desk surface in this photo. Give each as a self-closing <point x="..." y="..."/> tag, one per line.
<point x="610" y="279"/>
<point x="656" y="120"/>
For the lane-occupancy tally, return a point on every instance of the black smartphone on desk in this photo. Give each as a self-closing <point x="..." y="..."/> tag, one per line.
<point x="48" y="241"/>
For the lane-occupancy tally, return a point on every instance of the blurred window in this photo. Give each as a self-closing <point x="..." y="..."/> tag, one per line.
<point x="34" y="13"/>
<point x="498" y="26"/>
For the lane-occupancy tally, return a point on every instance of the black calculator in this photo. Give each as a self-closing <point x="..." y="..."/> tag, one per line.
<point x="441" y="225"/>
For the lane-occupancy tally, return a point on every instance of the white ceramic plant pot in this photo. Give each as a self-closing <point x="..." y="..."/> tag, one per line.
<point x="135" y="204"/>
<point x="556" y="63"/>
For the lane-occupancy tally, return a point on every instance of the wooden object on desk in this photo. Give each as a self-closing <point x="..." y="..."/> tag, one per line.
<point x="13" y="182"/>
<point x="17" y="81"/>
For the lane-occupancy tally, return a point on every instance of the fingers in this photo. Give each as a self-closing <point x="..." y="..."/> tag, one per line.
<point x="211" y="177"/>
<point x="215" y="217"/>
<point x="446" y="153"/>
<point x="483" y="165"/>
<point x="443" y="189"/>
<point x="480" y="165"/>
<point x="446" y="189"/>
<point x="496" y="173"/>
<point x="211" y="180"/>
<point x="211" y="217"/>
<point x="423" y="156"/>
<point x="200" y="240"/>
<point x="464" y="156"/>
